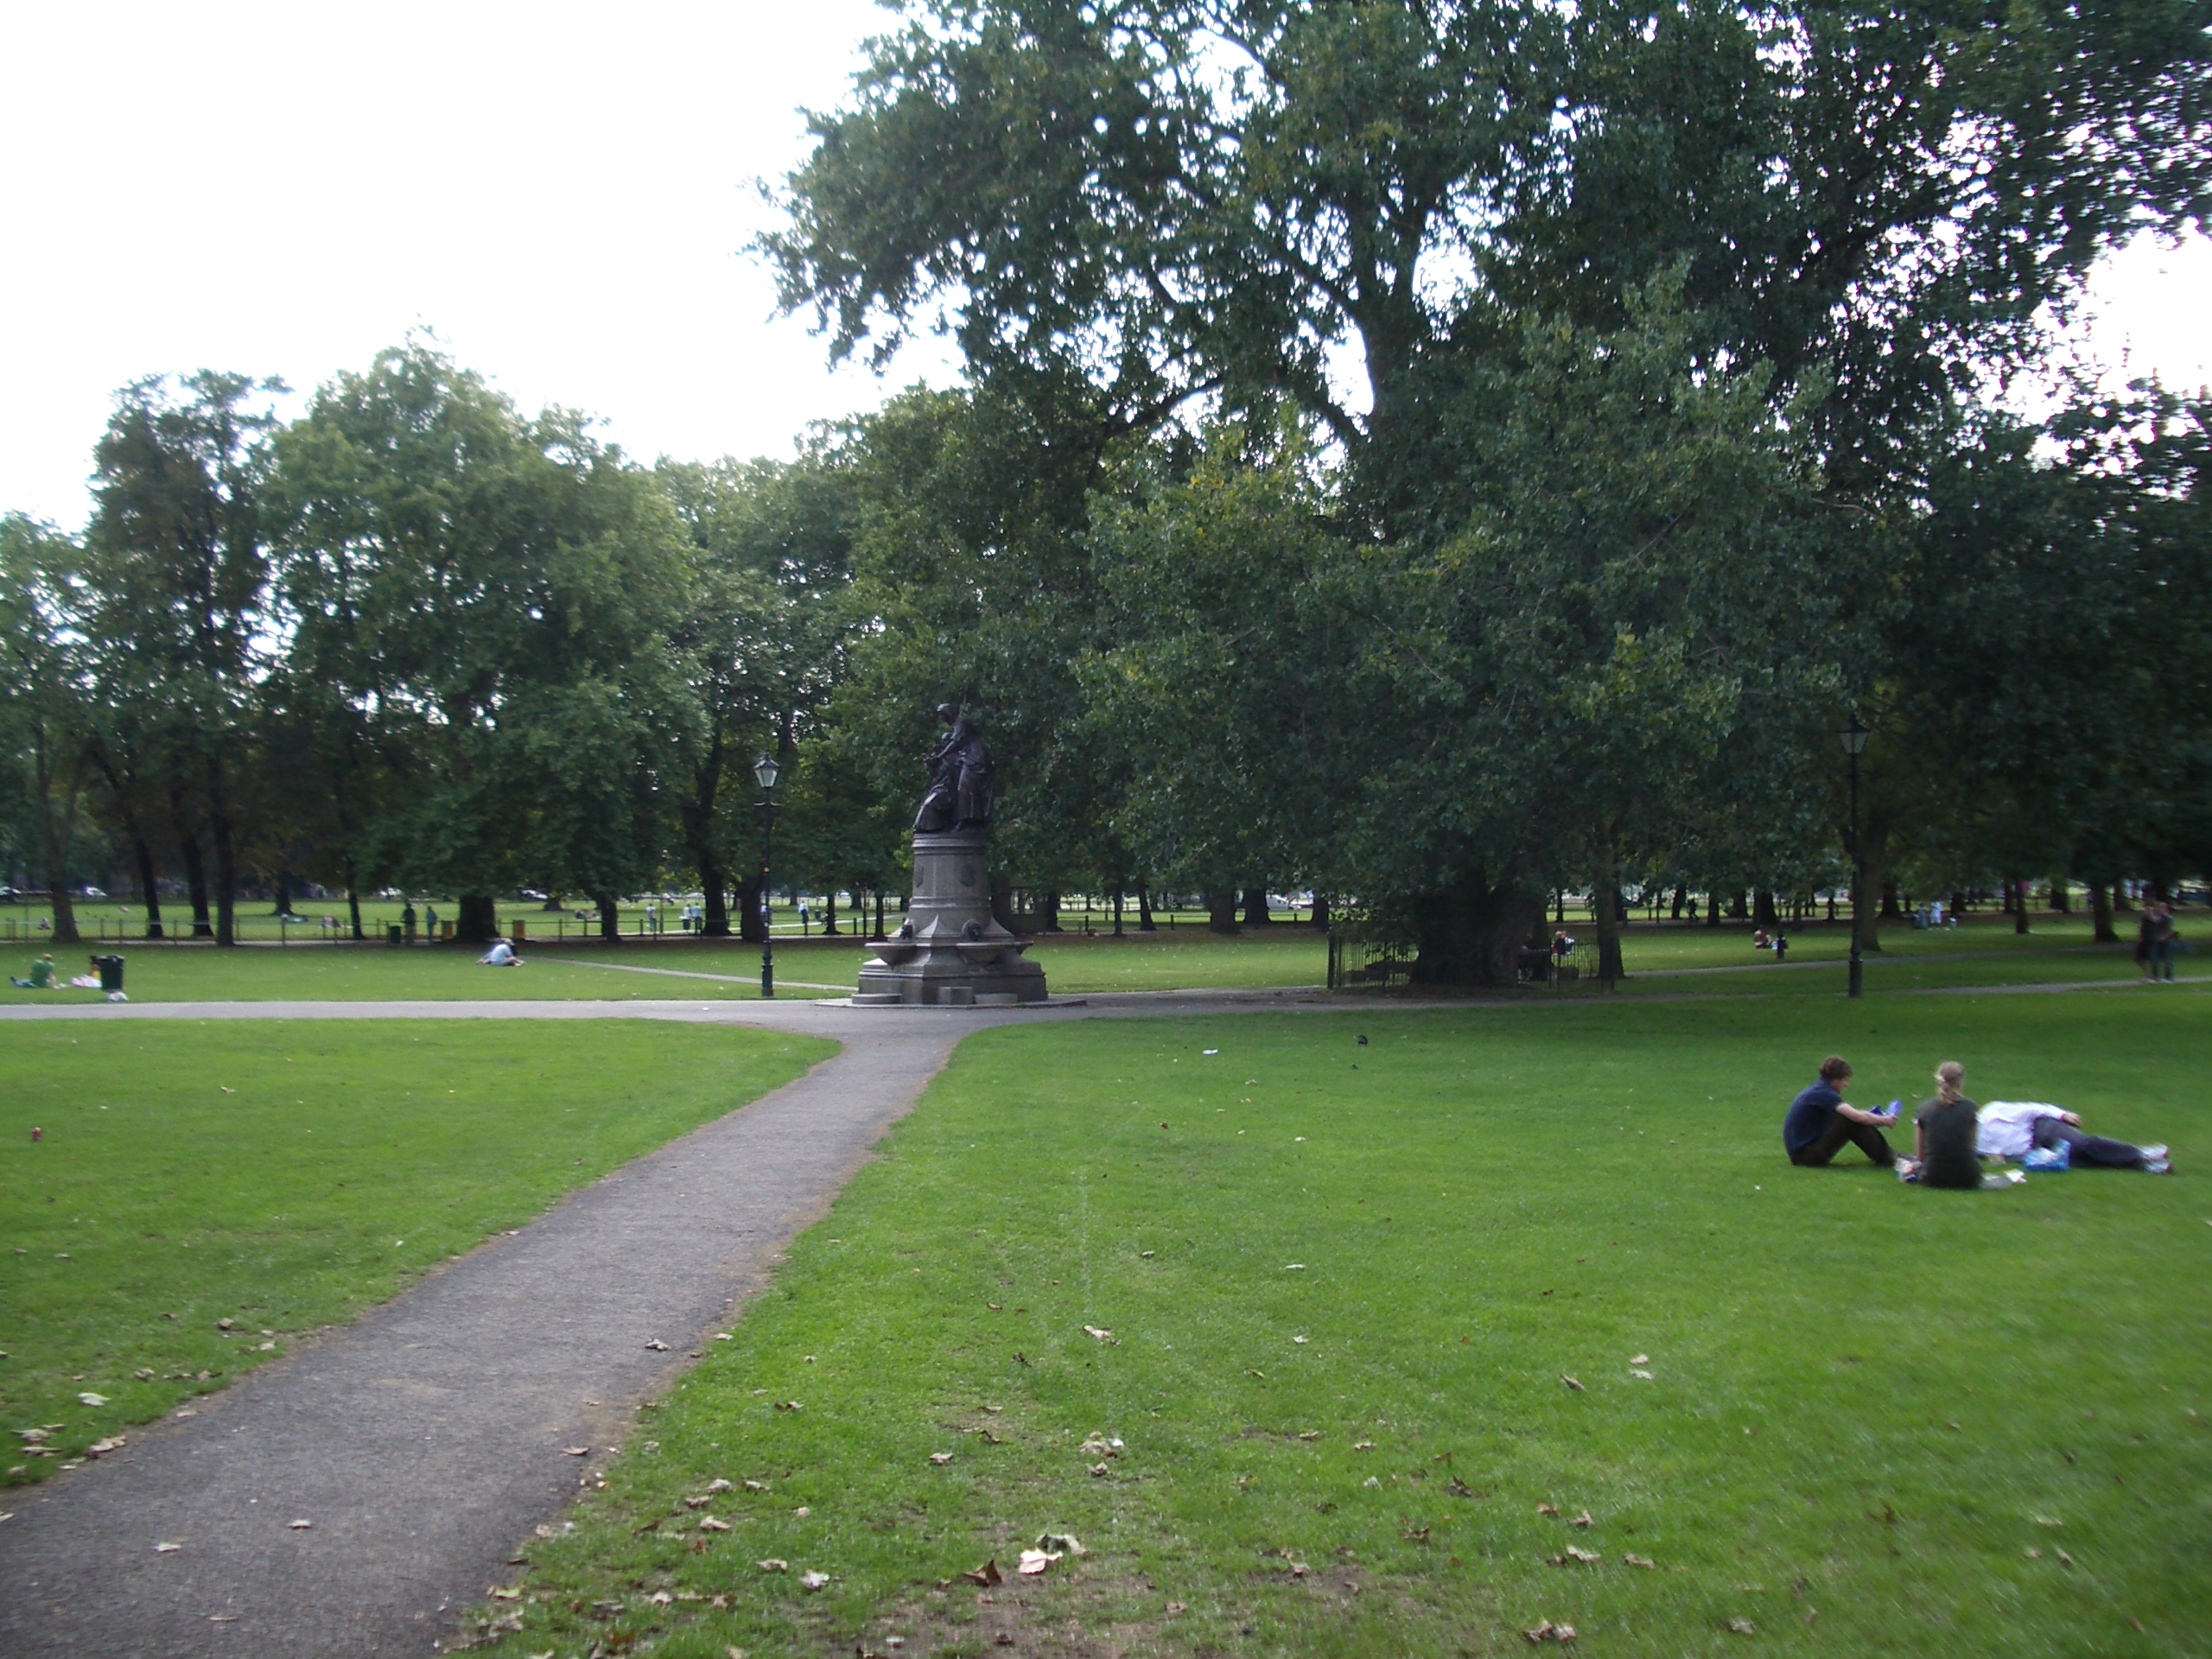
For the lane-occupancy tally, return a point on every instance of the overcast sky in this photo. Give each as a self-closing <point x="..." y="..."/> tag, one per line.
<point x="560" y="192"/>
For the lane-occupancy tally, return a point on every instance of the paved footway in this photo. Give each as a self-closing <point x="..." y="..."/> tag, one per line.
<point x="425" y="1440"/>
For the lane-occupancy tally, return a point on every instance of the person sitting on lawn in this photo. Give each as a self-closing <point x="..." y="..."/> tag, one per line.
<point x="501" y="955"/>
<point x="2012" y="1128"/>
<point x="1944" y="1133"/>
<point x="42" y="977"/>
<point x="1820" y="1123"/>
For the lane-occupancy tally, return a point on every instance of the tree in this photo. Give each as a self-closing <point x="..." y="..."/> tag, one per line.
<point x="491" y="599"/>
<point x="41" y="692"/>
<point x="177" y="578"/>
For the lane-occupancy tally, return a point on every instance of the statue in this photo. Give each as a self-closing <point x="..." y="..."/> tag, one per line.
<point x="959" y="795"/>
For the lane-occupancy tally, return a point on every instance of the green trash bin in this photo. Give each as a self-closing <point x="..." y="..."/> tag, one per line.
<point x="111" y="971"/>
<point x="395" y="935"/>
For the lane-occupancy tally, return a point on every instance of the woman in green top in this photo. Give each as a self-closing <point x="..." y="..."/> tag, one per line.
<point x="1944" y="1130"/>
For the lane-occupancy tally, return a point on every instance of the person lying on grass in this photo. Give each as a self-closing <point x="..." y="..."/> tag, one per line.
<point x="1820" y="1123"/>
<point x="2012" y="1128"/>
<point x="501" y="955"/>
<point x="1944" y="1132"/>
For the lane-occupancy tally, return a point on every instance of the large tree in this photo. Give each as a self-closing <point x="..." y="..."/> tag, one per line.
<point x="43" y="706"/>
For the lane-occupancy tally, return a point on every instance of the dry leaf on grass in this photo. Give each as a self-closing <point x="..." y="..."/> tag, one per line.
<point x="1570" y="1381"/>
<point x="813" y="1580"/>
<point x="89" y="1399"/>
<point x="772" y="1564"/>
<point x="1096" y="1335"/>
<point x="1583" y="1520"/>
<point x="707" y="1523"/>
<point x="1645" y="1375"/>
<point x="756" y="1486"/>
<point x="987" y="1573"/>
<point x="1634" y="1559"/>
<point x="1065" y="1542"/>
<point x="1583" y="1557"/>
<point x="1546" y="1509"/>
<point x="1310" y="1434"/>
<point x="1548" y="1631"/>
<point x="1742" y="1627"/>
<point x="789" y="1405"/>
<point x="1639" y="1359"/>
<point x="1100" y="1469"/>
<point x="1301" y="1339"/>
<point x="940" y="1458"/>
<point x="1034" y="1561"/>
<point x="2064" y="1559"/>
<point x="504" y="1592"/>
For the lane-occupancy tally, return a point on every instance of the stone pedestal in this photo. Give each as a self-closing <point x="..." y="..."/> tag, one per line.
<point x="950" y="951"/>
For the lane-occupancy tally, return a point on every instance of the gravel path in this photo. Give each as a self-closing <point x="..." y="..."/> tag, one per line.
<point x="423" y="1442"/>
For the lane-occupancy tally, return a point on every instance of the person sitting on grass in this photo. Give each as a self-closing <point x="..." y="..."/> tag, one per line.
<point x="1945" y="1131"/>
<point x="2012" y="1128"/>
<point x="42" y="977"/>
<point x="501" y="955"/>
<point x="1820" y="1123"/>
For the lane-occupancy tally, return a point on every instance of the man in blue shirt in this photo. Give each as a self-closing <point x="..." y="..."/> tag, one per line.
<point x="1821" y="1123"/>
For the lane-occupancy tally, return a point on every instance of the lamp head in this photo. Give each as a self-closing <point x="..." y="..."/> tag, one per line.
<point x="1854" y="735"/>
<point x="766" y="770"/>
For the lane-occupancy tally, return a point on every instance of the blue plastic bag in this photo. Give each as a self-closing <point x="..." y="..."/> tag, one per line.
<point x="2051" y="1158"/>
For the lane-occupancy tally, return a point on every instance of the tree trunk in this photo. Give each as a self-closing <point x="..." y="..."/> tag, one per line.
<point x="1321" y="911"/>
<point x="2119" y="899"/>
<point x="1864" y="915"/>
<point x="2059" y="901"/>
<point x="1763" y="914"/>
<point x="1221" y="910"/>
<point x="751" y="924"/>
<point x="189" y="854"/>
<point x="227" y="867"/>
<point x="1606" y="912"/>
<point x="829" y="913"/>
<point x="1682" y="897"/>
<point x="610" y="919"/>
<point x="354" y="904"/>
<point x="283" y="894"/>
<point x="1145" y="924"/>
<point x="1048" y="910"/>
<point x="714" y="889"/>
<point x="879" y="915"/>
<point x="1117" y="912"/>
<point x="1471" y="934"/>
<point x="2100" y="914"/>
<point x="55" y="838"/>
<point x="149" y="887"/>
<point x="552" y="904"/>
<point x="479" y="921"/>
<point x="2019" y="886"/>
<point x="1255" y="907"/>
<point x="1002" y="902"/>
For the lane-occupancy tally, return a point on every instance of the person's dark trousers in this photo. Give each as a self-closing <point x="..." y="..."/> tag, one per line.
<point x="2162" y="960"/>
<point x="1841" y="1133"/>
<point x="2086" y="1148"/>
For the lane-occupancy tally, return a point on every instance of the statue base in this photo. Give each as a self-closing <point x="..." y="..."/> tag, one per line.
<point x="949" y="952"/>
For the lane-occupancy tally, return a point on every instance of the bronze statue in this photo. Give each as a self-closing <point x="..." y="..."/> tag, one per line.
<point x="959" y="795"/>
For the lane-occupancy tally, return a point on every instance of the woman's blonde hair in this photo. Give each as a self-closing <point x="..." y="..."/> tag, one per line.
<point x="1950" y="1077"/>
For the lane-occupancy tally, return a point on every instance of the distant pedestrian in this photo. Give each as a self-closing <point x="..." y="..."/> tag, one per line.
<point x="2159" y="919"/>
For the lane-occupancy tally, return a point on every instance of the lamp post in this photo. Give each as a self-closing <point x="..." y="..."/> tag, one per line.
<point x="1854" y="737"/>
<point x="764" y="770"/>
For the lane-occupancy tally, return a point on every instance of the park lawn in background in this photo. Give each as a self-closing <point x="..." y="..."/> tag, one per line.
<point x="287" y="1175"/>
<point x="1273" y="958"/>
<point x="1363" y="1330"/>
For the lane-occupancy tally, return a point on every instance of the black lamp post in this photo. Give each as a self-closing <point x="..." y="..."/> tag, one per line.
<point x="764" y="770"/>
<point x="1854" y="737"/>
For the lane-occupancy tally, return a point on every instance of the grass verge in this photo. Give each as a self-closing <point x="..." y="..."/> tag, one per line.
<point x="1328" y="1298"/>
<point x="284" y="1175"/>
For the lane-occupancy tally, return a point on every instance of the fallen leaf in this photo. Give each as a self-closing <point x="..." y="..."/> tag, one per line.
<point x="940" y="1457"/>
<point x="1097" y="1469"/>
<point x="813" y="1580"/>
<point x="1570" y="1381"/>
<point x="1585" y="1557"/>
<point x="1211" y="1051"/>
<point x="1417" y="1534"/>
<point x="1066" y="1542"/>
<point x="995" y="1307"/>
<point x="1299" y="1569"/>
<point x="1634" y="1559"/>
<point x="1293" y="1267"/>
<point x="789" y="1405"/>
<point x="1175" y="1607"/>
<point x="222" y="1619"/>
<point x="771" y="1565"/>
<point x="1301" y="1339"/>
<point x="707" y="1523"/>
<point x="1583" y="1520"/>
<point x="1639" y="1359"/>
<point x="301" y="1526"/>
<point x="801" y="1512"/>
<point x="575" y="1451"/>
<point x="1546" y="1509"/>
<point x="1742" y="1627"/>
<point x="2064" y="1559"/>
<point x="167" y="1549"/>
<point x="987" y="1573"/>
<point x="1459" y="1487"/>
<point x="1310" y="1434"/>
<point x="505" y="1591"/>
<point x="1646" y="1376"/>
<point x="1034" y="1561"/>
<point x="1362" y="1445"/>
<point x="2034" y="1554"/>
<point x="656" y="1345"/>
<point x="91" y="1399"/>
<point x="1096" y="1335"/>
<point x="756" y="1486"/>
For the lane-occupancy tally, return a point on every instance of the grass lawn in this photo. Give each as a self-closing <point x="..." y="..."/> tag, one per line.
<point x="1345" y="1288"/>
<point x="287" y="1176"/>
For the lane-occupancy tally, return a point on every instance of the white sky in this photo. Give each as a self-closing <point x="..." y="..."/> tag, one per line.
<point x="560" y="191"/>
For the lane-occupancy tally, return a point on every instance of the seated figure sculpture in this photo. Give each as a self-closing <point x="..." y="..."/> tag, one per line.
<point x="959" y="767"/>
